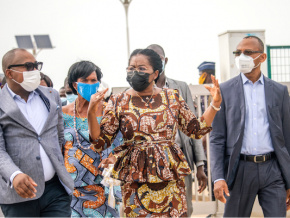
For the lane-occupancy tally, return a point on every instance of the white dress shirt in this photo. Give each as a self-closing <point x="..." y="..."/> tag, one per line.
<point x="36" y="113"/>
<point x="257" y="137"/>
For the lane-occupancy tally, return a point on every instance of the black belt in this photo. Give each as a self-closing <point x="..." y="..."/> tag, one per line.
<point x="257" y="158"/>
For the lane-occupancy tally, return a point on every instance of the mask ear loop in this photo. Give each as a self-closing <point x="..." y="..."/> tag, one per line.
<point x="17" y="72"/>
<point x="77" y="87"/>
<point x="257" y="64"/>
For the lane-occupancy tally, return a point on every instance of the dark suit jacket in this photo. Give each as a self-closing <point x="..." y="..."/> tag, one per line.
<point x="228" y="127"/>
<point x="192" y="148"/>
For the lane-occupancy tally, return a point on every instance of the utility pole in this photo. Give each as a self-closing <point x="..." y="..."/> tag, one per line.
<point x="126" y="4"/>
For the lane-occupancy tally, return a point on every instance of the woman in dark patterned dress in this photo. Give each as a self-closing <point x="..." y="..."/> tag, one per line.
<point x="90" y="197"/>
<point x="149" y="164"/>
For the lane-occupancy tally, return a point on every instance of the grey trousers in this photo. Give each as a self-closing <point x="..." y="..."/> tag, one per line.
<point x="188" y="190"/>
<point x="262" y="179"/>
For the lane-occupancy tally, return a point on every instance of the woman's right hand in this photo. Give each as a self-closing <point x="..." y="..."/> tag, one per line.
<point x="96" y="102"/>
<point x="215" y="91"/>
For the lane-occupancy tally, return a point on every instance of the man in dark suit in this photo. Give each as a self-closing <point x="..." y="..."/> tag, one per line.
<point x="191" y="148"/>
<point x="33" y="179"/>
<point x="250" y="141"/>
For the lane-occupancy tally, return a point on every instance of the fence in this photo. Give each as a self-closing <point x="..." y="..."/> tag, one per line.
<point x="278" y="61"/>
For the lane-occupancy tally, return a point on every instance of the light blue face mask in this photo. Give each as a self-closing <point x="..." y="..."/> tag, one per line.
<point x="71" y="98"/>
<point x="163" y="66"/>
<point x="87" y="90"/>
<point x="63" y="99"/>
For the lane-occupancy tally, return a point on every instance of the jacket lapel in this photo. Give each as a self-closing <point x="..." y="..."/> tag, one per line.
<point x="49" y="102"/>
<point x="240" y="113"/>
<point x="268" y="93"/>
<point x="9" y="106"/>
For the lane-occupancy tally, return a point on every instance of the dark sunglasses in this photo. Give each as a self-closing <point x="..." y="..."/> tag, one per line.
<point x="29" y="65"/>
<point x="246" y="52"/>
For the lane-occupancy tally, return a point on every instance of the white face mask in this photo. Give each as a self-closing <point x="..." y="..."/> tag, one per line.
<point x="245" y="64"/>
<point x="31" y="80"/>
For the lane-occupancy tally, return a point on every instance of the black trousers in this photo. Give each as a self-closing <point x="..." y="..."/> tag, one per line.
<point x="55" y="202"/>
<point x="262" y="179"/>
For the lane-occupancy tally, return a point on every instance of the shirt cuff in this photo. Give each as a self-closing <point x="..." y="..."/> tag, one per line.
<point x="199" y="163"/>
<point x="217" y="180"/>
<point x="13" y="176"/>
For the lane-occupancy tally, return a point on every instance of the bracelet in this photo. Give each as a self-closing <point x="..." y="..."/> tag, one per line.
<point x="215" y="108"/>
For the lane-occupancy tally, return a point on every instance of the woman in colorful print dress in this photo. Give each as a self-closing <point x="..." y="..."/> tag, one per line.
<point x="90" y="197"/>
<point x="149" y="164"/>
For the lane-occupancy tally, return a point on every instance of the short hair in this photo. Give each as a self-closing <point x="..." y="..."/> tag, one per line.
<point x="9" y="57"/>
<point x="261" y="43"/>
<point x="153" y="58"/>
<point x="156" y="46"/>
<point x="46" y="79"/>
<point x="82" y="70"/>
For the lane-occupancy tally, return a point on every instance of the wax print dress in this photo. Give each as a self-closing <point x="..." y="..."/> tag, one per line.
<point x="90" y="197"/>
<point x="151" y="166"/>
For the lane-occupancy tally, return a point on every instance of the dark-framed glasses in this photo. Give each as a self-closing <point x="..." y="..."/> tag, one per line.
<point x="29" y="65"/>
<point x="246" y="52"/>
<point x="131" y="73"/>
<point x="140" y="70"/>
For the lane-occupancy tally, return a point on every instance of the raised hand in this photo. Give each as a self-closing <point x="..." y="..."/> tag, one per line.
<point x="215" y="91"/>
<point x="96" y="102"/>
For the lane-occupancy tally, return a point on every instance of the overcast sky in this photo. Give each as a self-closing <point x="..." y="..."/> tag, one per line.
<point x="95" y="30"/>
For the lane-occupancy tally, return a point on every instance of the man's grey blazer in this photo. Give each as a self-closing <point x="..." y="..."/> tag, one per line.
<point x="187" y="142"/>
<point x="228" y="126"/>
<point x="19" y="145"/>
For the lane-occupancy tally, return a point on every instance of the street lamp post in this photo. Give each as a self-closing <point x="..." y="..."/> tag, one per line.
<point x="126" y="4"/>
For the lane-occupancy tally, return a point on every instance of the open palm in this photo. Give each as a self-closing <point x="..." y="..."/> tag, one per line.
<point x="214" y="90"/>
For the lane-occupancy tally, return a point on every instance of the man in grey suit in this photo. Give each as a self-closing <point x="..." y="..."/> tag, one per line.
<point x="33" y="179"/>
<point x="191" y="148"/>
<point x="250" y="141"/>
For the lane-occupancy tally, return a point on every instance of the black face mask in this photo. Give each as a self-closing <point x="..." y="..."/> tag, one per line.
<point x="139" y="81"/>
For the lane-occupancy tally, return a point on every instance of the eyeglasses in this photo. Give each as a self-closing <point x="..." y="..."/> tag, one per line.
<point x="131" y="73"/>
<point x="29" y="65"/>
<point x="246" y="52"/>
<point x="139" y="69"/>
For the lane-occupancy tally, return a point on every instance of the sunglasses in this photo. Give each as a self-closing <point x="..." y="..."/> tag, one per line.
<point x="246" y="52"/>
<point x="29" y="65"/>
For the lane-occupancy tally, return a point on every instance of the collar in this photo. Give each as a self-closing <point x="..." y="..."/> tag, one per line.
<point x="166" y="85"/>
<point x="13" y="95"/>
<point x="245" y="79"/>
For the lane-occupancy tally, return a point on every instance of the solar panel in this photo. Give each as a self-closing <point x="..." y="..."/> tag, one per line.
<point x="24" y="42"/>
<point x="42" y="41"/>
